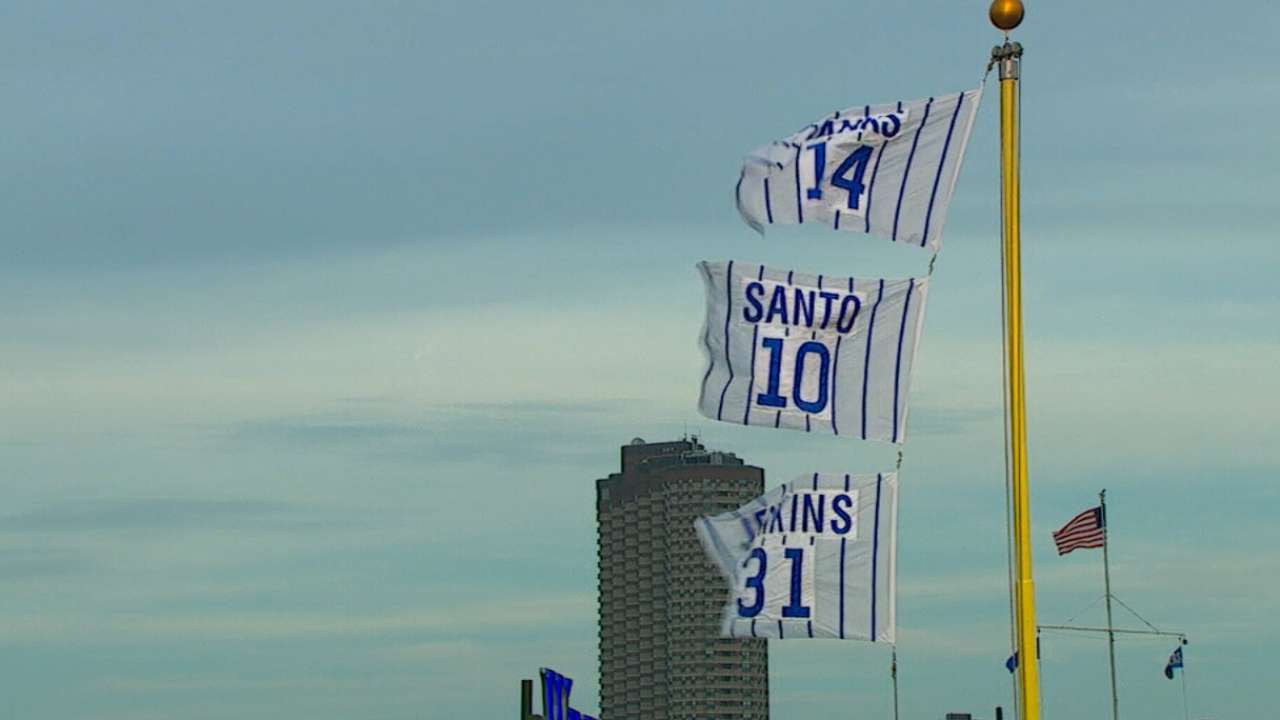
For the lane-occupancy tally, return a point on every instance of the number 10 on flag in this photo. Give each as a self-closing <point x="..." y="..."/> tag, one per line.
<point x="795" y="373"/>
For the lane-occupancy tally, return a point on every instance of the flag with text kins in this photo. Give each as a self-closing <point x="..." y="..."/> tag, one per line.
<point x="887" y="169"/>
<point x="815" y="558"/>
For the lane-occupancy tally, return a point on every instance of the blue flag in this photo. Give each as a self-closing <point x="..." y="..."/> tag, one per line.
<point x="1175" y="662"/>
<point x="1011" y="664"/>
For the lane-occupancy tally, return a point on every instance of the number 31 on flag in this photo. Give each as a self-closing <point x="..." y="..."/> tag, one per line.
<point x="772" y="575"/>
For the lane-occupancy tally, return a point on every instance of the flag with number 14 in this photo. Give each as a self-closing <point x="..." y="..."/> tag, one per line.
<point x="887" y="169"/>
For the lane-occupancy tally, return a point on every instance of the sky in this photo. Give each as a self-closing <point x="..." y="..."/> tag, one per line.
<point x="321" y="319"/>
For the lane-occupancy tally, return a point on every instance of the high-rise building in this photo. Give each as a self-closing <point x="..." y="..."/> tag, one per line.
<point x="661" y="598"/>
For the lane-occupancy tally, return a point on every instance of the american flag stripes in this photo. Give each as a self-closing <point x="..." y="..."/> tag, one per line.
<point x="1086" y="530"/>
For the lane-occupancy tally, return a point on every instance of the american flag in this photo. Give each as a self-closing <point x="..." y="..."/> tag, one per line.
<point x="1086" y="530"/>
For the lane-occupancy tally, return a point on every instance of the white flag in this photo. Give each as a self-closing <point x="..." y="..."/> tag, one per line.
<point x="815" y="558"/>
<point x="885" y="169"/>
<point x="810" y="352"/>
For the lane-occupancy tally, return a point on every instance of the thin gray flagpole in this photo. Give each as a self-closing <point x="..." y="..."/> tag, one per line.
<point x="1186" y="711"/>
<point x="892" y="671"/>
<point x="893" y="662"/>
<point x="1106" y="574"/>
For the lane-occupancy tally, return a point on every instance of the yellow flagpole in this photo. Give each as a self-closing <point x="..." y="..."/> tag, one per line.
<point x="1007" y="15"/>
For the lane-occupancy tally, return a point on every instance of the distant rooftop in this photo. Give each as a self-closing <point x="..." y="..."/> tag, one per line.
<point x="647" y="456"/>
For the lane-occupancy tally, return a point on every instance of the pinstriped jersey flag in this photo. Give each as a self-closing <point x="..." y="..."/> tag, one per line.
<point x="885" y="169"/>
<point x="810" y="352"/>
<point x="815" y="558"/>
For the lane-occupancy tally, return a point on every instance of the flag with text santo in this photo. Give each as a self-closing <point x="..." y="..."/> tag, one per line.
<point x="810" y="352"/>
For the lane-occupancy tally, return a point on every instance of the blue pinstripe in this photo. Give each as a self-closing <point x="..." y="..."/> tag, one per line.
<point x="906" y="172"/>
<point x="897" y="369"/>
<point x="777" y="417"/>
<point x="941" y="162"/>
<point x="875" y="553"/>
<point x="843" y="544"/>
<point x="751" y="378"/>
<point x="866" y="365"/>
<point x="799" y="202"/>
<point x="871" y="186"/>
<point x="737" y="189"/>
<point x="706" y="342"/>
<point x="728" y="311"/>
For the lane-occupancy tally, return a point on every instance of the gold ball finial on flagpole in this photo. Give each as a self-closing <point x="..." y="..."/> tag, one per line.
<point x="1006" y="14"/>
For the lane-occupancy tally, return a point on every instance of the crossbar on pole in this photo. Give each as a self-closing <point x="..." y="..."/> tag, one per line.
<point x="1118" y="631"/>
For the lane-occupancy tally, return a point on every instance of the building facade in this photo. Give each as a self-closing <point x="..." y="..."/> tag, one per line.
<point x="661" y="597"/>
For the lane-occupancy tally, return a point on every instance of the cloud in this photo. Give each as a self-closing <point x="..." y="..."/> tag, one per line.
<point x="933" y="419"/>
<point x="515" y="432"/>
<point x="535" y="611"/>
<point x="304" y="432"/>
<point x="41" y="562"/>
<point x="144" y="513"/>
<point x="231" y="683"/>
<point x="455" y="650"/>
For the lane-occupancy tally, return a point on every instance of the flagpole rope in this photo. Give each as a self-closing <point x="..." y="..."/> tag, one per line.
<point x="1089" y="607"/>
<point x="1186" y="710"/>
<point x="893" y="671"/>
<point x="1125" y="605"/>
<point x="1044" y="712"/>
<point x="1004" y="414"/>
<point x="893" y="663"/>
